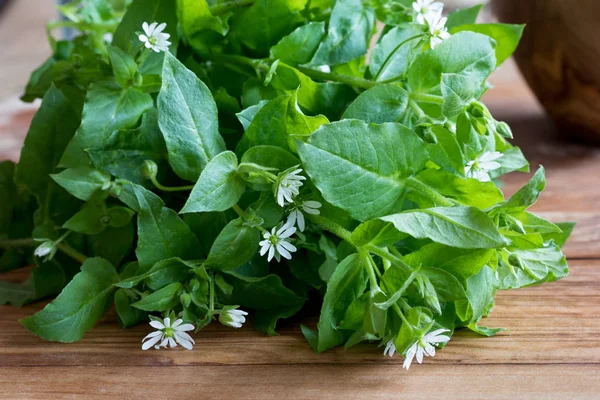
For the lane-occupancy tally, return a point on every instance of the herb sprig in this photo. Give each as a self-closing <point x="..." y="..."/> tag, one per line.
<point x="192" y="160"/>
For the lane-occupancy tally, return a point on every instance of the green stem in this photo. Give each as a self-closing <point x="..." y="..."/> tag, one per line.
<point x="225" y="7"/>
<point x="212" y="293"/>
<point x="169" y="188"/>
<point x="416" y="109"/>
<point x="332" y="227"/>
<point x="329" y="76"/>
<point x="244" y="215"/>
<point x="389" y="57"/>
<point x="429" y="192"/>
<point x="71" y="252"/>
<point x="371" y="271"/>
<point x="401" y="314"/>
<point x="427" y="98"/>
<point x="16" y="243"/>
<point x="386" y="255"/>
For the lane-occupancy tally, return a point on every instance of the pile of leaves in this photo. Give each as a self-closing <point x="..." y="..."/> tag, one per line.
<point x="277" y="151"/>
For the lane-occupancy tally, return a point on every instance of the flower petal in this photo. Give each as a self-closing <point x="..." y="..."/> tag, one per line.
<point x="185" y="328"/>
<point x="146" y="345"/>
<point x="157" y="325"/>
<point x="281" y="250"/>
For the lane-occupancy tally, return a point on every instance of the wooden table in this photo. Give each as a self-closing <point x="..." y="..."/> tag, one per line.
<point x="552" y="352"/>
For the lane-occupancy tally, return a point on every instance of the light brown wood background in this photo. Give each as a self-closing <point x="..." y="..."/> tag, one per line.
<point x="552" y="351"/>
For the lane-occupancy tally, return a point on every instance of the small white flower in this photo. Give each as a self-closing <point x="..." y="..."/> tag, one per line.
<point x="424" y="8"/>
<point x="233" y="318"/>
<point x="46" y="249"/>
<point x="168" y="334"/>
<point x="425" y="347"/>
<point x="324" y="68"/>
<point x="288" y="186"/>
<point x="296" y="216"/>
<point x="481" y="167"/>
<point x="276" y="244"/>
<point x="154" y="38"/>
<point x="390" y="349"/>
<point x="437" y="28"/>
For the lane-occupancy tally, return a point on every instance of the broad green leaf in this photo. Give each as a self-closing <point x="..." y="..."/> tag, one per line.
<point x="527" y="195"/>
<point x="161" y="233"/>
<point x="469" y="192"/>
<point x="390" y="57"/>
<point x="113" y="244"/>
<point x="458" y="92"/>
<point x="266" y="22"/>
<point x="235" y="246"/>
<point x="348" y="34"/>
<point x="462" y="227"/>
<point x="480" y="296"/>
<point x="299" y="46"/>
<point x="51" y="129"/>
<point x="247" y="115"/>
<point x="82" y="182"/>
<point x="463" y="16"/>
<point x="377" y="233"/>
<point x="531" y="223"/>
<point x="447" y="286"/>
<point x="108" y="108"/>
<point x="123" y="65"/>
<point x="128" y="316"/>
<point x="380" y="104"/>
<point x="123" y="153"/>
<point x="347" y="283"/>
<point x="466" y="53"/>
<point x="445" y="151"/>
<point x="362" y="168"/>
<point x="461" y="263"/>
<point x="163" y="273"/>
<point x="561" y="238"/>
<point x="219" y="187"/>
<point x="263" y="293"/>
<point x="265" y="320"/>
<point x="89" y="220"/>
<point x="187" y="116"/>
<point x="161" y="300"/>
<point x="80" y="305"/>
<point x="270" y="157"/>
<point x="511" y="160"/>
<point x="46" y="280"/>
<point x="507" y="37"/>
<point x="194" y="17"/>
<point x="546" y="264"/>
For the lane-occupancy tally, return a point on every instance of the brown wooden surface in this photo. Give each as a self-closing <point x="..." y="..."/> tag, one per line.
<point x="552" y="352"/>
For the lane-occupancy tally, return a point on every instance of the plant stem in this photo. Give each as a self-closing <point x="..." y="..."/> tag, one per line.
<point x="371" y="271"/>
<point x="416" y="109"/>
<point x="29" y="242"/>
<point x="386" y="255"/>
<point x="71" y="252"/>
<point x="429" y="192"/>
<point x="401" y="314"/>
<point x="332" y="227"/>
<point x="329" y="76"/>
<point x="427" y="98"/>
<point x="223" y="8"/>
<point x="169" y="188"/>
<point x="212" y="293"/>
<point x="244" y="215"/>
<point x="16" y="243"/>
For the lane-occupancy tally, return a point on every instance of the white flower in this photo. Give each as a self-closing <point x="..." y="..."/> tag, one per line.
<point x="479" y="169"/>
<point x="276" y="244"/>
<point x="233" y="318"/>
<point x="309" y="207"/>
<point x="425" y="346"/>
<point x="424" y="8"/>
<point x="390" y="349"/>
<point x="288" y="186"/>
<point x="168" y="334"/>
<point x="154" y="37"/>
<point x="46" y="249"/>
<point x="437" y="28"/>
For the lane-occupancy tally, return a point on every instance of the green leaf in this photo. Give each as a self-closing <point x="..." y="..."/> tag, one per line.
<point x="362" y="168"/>
<point x="89" y="220"/>
<point x="80" y="305"/>
<point x="219" y="187"/>
<point x="82" y="182"/>
<point x="235" y="246"/>
<point x="113" y="244"/>
<point x="462" y="227"/>
<point x="123" y="65"/>
<point x="123" y="152"/>
<point x="265" y="320"/>
<point x="480" y="296"/>
<point x="347" y="283"/>
<point x="463" y="16"/>
<point x="527" y="195"/>
<point x="161" y="233"/>
<point x="263" y="293"/>
<point x="51" y="129"/>
<point x="511" y="160"/>
<point x="377" y="233"/>
<point x="247" y="115"/>
<point x="466" y="53"/>
<point x="194" y="17"/>
<point x="161" y="300"/>
<point x="445" y="151"/>
<point x="128" y="316"/>
<point x="163" y="273"/>
<point x="390" y="57"/>
<point x="561" y="238"/>
<point x="507" y="37"/>
<point x="187" y="116"/>
<point x="266" y="22"/>
<point x="9" y="191"/>
<point x="458" y="92"/>
<point x="380" y="104"/>
<point x="299" y="46"/>
<point x="107" y="108"/>
<point x="348" y="35"/>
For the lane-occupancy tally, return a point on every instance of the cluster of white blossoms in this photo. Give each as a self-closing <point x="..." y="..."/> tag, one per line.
<point x="484" y="164"/>
<point x="422" y="347"/>
<point x="154" y="38"/>
<point x="169" y="335"/>
<point x="429" y="12"/>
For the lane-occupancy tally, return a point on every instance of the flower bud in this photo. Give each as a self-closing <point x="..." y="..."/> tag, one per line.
<point x="46" y="249"/>
<point x="233" y="318"/>
<point x="149" y="169"/>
